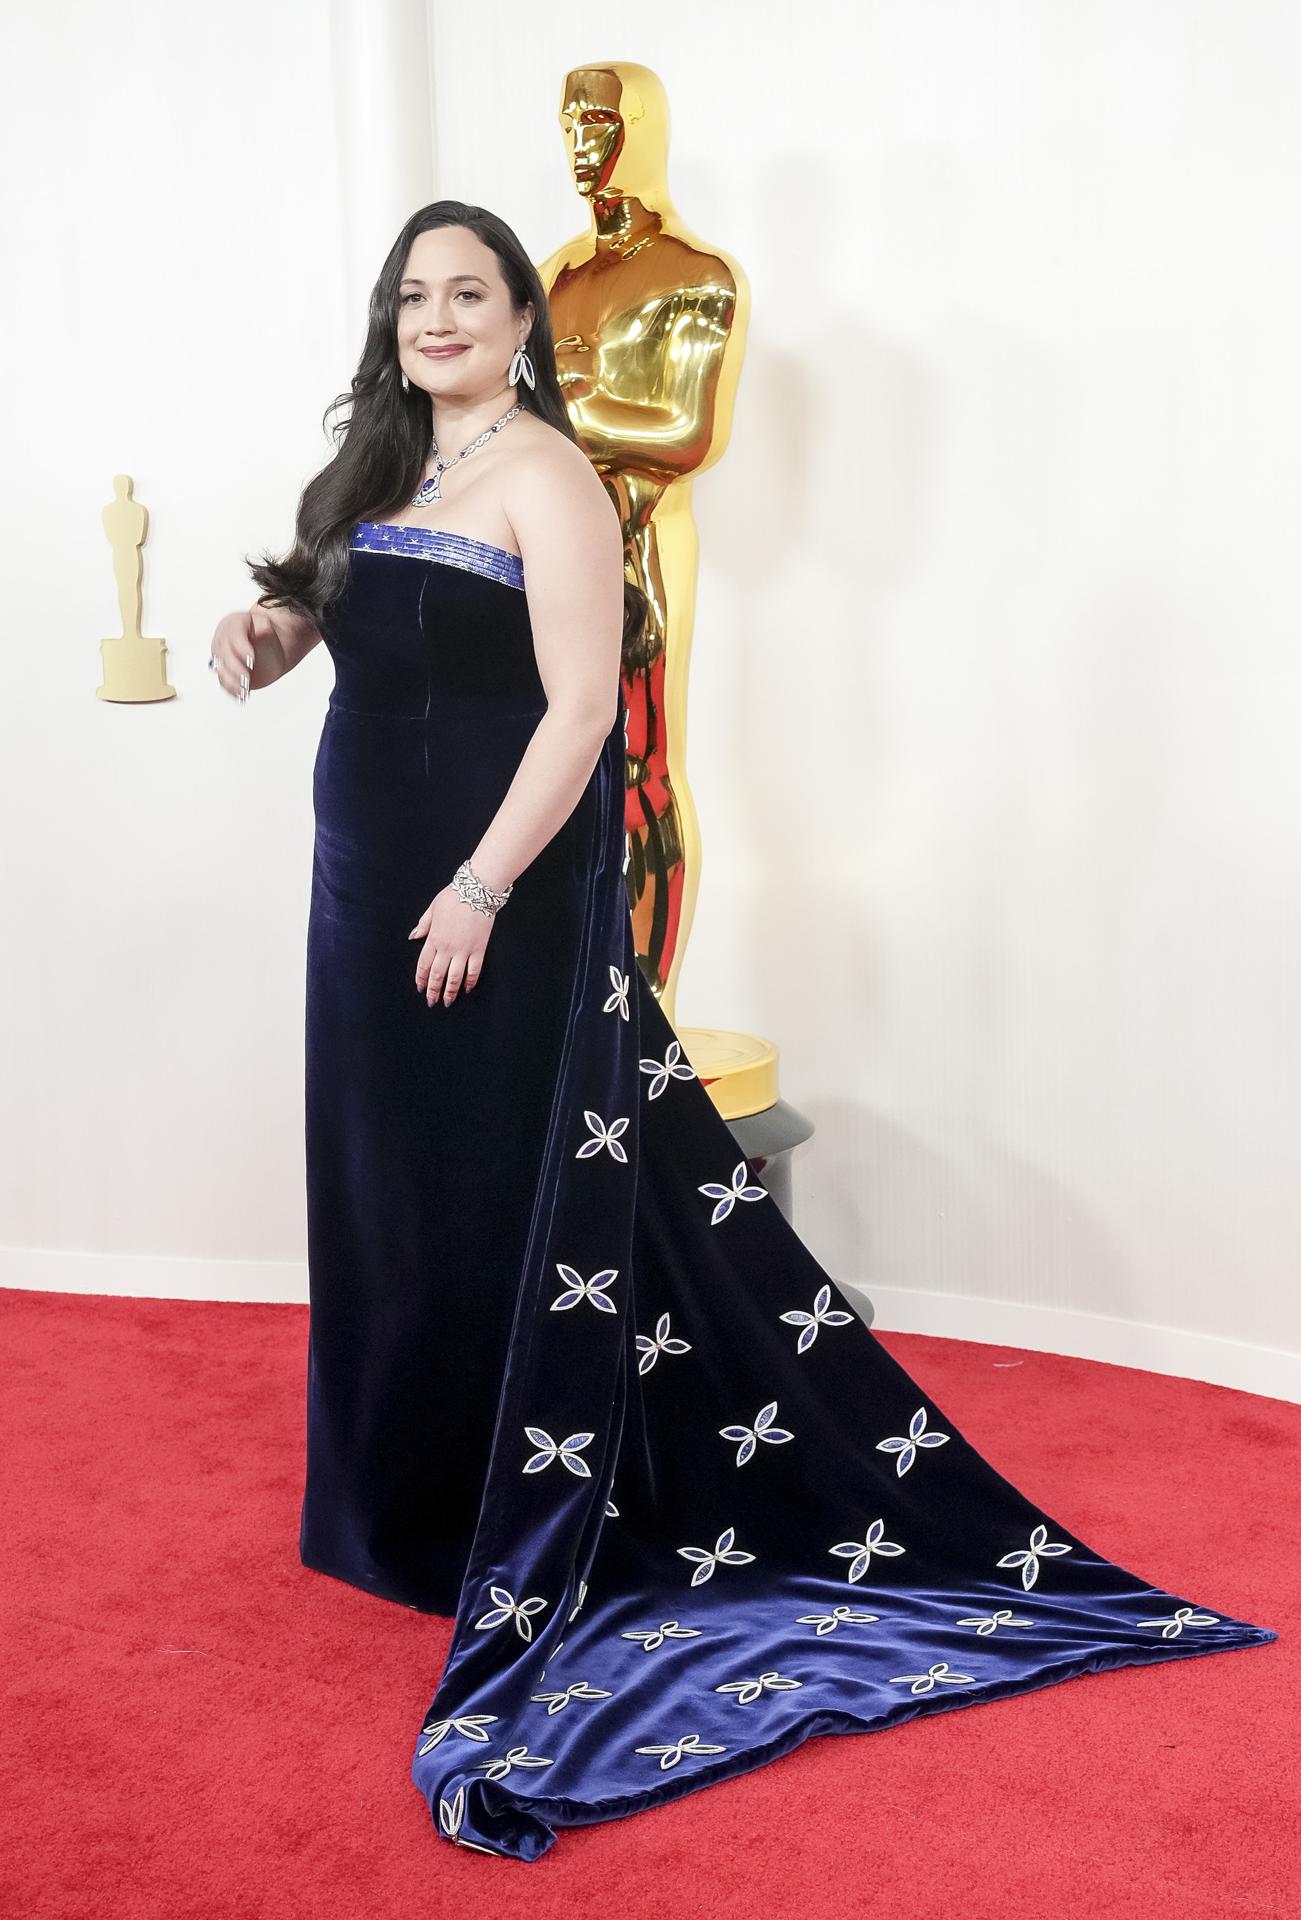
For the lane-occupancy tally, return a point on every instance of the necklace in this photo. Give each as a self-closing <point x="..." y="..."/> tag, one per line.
<point x="429" y="490"/>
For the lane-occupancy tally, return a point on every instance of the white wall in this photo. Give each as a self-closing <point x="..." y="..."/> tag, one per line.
<point x="995" y="683"/>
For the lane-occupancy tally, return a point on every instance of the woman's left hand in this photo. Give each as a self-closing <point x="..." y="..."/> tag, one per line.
<point x="455" y="936"/>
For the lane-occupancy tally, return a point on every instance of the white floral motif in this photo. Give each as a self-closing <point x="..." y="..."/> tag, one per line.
<point x="727" y="1197"/>
<point x="925" y="1682"/>
<point x="1173" y="1625"/>
<point x="650" y="1350"/>
<point x="724" y="1553"/>
<point x="516" y="1757"/>
<point x="577" y="1690"/>
<point x="907" y="1448"/>
<point x="611" y="1511"/>
<point x="823" y="1315"/>
<point x="602" y="1136"/>
<point x="506" y="1606"/>
<point x="470" y="1725"/>
<point x="689" y="1743"/>
<point x="656" y="1637"/>
<point x="576" y="1289"/>
<point x="450" y="1816"/>
<point x="987" y="1623"/>
<point x="861" y="1551"/>
<point x="828" y="1622"/>
<point x="619" y="998"/>
<point x="566" y="1451"/>
<point x="763" y="1429"/>
<point x="582" y="1595"/>
<point x="627" y="842"/>
<point x="674" y="1066"/>
<point x="1041" y="1547"/>
<point x="748" y="1690"/>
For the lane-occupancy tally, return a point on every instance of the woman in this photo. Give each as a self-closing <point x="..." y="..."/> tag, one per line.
<point x="570" y="1378"/>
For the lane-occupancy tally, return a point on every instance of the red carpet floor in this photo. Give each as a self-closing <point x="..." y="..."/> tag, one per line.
<point x="196" y="1726"/>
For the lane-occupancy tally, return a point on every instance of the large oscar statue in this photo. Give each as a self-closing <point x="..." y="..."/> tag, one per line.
<point x="649" y="324"/>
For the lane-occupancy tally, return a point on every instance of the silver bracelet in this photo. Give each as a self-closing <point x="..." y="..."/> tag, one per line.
<point x="475" y="894"/>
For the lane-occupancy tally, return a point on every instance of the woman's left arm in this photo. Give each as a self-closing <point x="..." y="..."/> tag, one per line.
<point x="569" y="535"/>
<point x="571" y="542"/>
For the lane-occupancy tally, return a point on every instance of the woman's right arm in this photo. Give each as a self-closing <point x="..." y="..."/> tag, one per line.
<point x="255" y="647"/>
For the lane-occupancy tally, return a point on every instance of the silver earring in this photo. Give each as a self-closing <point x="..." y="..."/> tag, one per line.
<point x="406" y="384"/>
<point x="521" y="364"/>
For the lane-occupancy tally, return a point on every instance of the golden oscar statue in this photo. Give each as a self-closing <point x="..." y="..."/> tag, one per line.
<point x="133" y="666"/>
<point x="649" y="326"/>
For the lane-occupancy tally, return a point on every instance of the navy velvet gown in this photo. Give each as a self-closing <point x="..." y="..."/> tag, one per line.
<point x="573" y="1377"/>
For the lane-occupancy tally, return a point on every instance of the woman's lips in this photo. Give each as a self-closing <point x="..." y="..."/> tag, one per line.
<point x="441" y="353"/>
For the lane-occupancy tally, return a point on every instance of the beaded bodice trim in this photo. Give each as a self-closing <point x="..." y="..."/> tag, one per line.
<point x="441" y="544"/>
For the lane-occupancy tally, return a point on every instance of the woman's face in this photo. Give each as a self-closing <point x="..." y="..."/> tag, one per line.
<point x="452" y="296"/>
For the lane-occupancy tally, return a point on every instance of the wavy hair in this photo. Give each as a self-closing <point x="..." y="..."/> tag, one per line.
<point x="381" y="432"/>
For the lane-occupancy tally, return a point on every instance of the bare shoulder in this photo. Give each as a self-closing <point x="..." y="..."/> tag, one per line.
<point x="554" y="497"/>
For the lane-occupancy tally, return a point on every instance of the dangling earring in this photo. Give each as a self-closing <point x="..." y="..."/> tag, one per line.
<point x="406" y="384"/>
<point x="521" y="364"/>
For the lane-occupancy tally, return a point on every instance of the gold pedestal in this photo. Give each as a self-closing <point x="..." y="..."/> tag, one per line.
<point x="738" y="1069"/>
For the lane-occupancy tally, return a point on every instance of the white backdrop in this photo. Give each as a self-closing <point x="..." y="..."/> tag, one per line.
<point x="995" y="683"/>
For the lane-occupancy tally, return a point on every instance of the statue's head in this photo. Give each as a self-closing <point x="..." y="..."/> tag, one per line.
<point x="615" y="118"/>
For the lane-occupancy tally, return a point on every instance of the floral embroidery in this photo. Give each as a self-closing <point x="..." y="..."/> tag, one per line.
<point x="724" y="1554"/>
<point x="471" y="1725"/>
<point x="828" y="1622"/>
<point x="507" y="1607"/>
<point x="1028" y="1560"/>
<point x="577" y="1690"/>
<point x="925" y="1682"/>
<point x="670" y="1067"/>
<point x="516" y="1757"/>
<point x="650" y="1350"/>
<point x="727" y="1197"/>
<point x="450" y="1816"/>
<point x="763" y="1429"/>
<point x="576" y="1289"/>
<point x="823" y="1315"/>
<point x="748" y="1690"/>
<point x="861" y="1551"/>
<point x="907" y="1448"/>
<point x="602" y="1136"/>
<point x="669" y="1631"/>
<point x="988" y="1623"/>
<point x="619" y="998"/>
<point x="566" y="1451"/>
<point x="689" y="1743"/>
<point x="1173" y="1625"/>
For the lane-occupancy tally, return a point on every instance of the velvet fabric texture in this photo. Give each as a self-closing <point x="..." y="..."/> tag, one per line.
<point x="573" y="1378"/>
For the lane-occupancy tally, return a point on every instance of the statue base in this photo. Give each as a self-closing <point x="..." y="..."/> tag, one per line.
<point x="739" y="1072"/>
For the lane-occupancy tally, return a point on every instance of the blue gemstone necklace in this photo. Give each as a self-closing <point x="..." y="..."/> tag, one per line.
<point x="429" y="490"/>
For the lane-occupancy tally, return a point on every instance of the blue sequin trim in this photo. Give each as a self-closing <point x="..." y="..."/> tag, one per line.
<point x="439" y="543"/>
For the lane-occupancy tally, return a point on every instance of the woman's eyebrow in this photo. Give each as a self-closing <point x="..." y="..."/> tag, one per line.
<point x="411" y="282"/>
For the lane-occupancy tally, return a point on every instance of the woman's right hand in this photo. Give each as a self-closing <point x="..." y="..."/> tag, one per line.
<point x="248" y="651"/>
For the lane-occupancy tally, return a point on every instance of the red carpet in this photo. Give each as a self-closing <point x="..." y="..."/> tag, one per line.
<point x="195" y="1726"/>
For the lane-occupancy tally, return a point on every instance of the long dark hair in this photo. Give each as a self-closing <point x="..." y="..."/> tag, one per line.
<point x="382" y="439"/>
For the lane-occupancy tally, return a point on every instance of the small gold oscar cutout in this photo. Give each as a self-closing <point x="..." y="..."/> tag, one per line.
<point x="133" y="665"/>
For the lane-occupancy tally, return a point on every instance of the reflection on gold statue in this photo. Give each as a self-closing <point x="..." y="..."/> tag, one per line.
<point x="133" y="666"/>
<point x="649" y="326"/>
